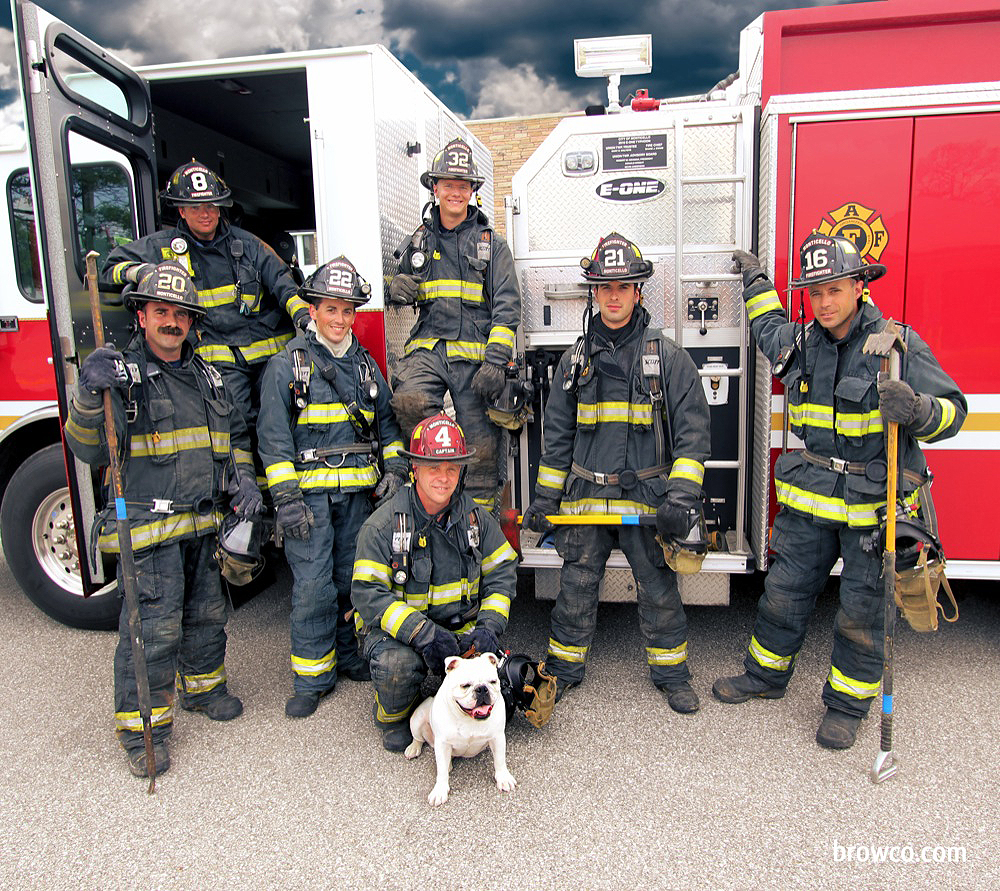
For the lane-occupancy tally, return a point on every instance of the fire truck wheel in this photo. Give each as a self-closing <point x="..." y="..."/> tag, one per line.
<point x="36" y="522"/>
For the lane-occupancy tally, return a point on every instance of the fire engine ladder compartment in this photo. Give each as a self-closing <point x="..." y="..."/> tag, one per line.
<point x="679" y="183"/>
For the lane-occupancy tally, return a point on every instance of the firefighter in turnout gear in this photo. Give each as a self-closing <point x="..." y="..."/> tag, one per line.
<point x="248" y="292"/>
<point x="184" y="447"/>
<point x="832" y="493"/>
<point x="460" y="275"/>
<point x="433" y="576"/>
<point x="326" y="430"/>
<point x="626" y="432"/>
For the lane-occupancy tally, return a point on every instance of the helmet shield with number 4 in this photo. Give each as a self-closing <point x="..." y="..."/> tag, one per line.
<point x="338" y="278"/>
<point x="454" y="161"/>
<point x="437" y="439"/>
<point x="616" y="259"/>
<point x="169" y="282"/>
<point x="193" y="183"/>
<point x="826" y="258"/>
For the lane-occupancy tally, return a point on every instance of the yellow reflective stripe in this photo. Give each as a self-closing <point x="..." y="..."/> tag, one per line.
<point x="551" y="478"/>
<point x="203" y="683"/>
<point x="809" y="414"/>
<point x="465" y="349"/>
<point x="851" y="686"/>
<point x="688" y="469"/>
<point x="384" y="717"/>
<point x="295" y="303"/>
<point x="502" y="335"/>
<point x="618" y="506"/>
<point x="85" y="435"/>
<point x="310" y="668"/>
<point x="159" y="717"/>
<point x="611" y="412"/>
<point x="827" y="507"/>
<point x="118" y="271"/>
<point x="242" y="456"/>
<point x="454" y="592"/>
<point x="215" y="353"/>
<point x="420" y="343"/>
<point x="392" y="449"/>
<point x="262" y="349"/>
<point x="160" y="531"/>
<point x="566" y="652"/>
<point x="766" y="659"/>
<point x="182" y="440"/>
<point x="280" y="472"/>
<point x="762" y="303"/>
<point x="471" y="292"/>
<point x="323" y="477"/>
<point x="395" y="615"/>
<point x="217" y="296"/>
<point x="370" y="571"/>
<point x="947" y="417"/>
<point x="484" y="502"/>
<point x="330" y="413"/>
<point x="503" y="554"/>
<point x="660" y="656"/>
<point x="859" y="424"/>
<point x="496" y="603"/>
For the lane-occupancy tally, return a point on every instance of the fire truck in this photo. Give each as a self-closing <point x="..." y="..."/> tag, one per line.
<point x="877" y="121"/>
<point x="322" y="150"/>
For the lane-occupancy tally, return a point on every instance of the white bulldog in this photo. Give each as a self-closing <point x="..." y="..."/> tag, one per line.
<point x="465" y="716"/>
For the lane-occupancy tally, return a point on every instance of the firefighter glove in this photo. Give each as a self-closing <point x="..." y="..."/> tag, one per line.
<point x="488" y="382"/>
<point x="898" y="403"/>
<point x="748" y="266"/>
<point x="388" y="486"/>
<point x="247" y="499"/>
<point x="535" y="517"/>
<point x="403" y="289"/>
<point x="292" y="518"/>
<point x="138" y="271"/>
<point x="302" y="319"/>
<point x="484" y="640"/>
<point x="100" y="371"/>
<point x="435" y="644"/>
<point x="673" y="517"/>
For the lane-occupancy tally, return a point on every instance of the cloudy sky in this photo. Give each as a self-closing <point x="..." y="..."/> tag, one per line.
<point x="483" y="59"/>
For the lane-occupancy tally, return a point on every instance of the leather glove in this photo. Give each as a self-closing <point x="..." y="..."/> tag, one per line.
<point x="673" y="517"/>
<point x="748" y="266"/>
<point x="535" y="519"/>
<point x="138" y="272"/>
<point x="247" y="499"/>
<point x="435" y="644"/>
<point x="484" y="640"/>
<point x="388" y="486"/>
<point x="292" y="518"/>
<point x="302" y="319"/>
<point x="898" y="403"/>
<point x="489" y="380"/>
<point x="403" y="289"/>
<point x="100" y="371"/>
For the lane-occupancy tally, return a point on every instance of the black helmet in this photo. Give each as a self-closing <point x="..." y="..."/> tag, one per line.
<point x="826" y="258"/>
<point x="338" y="278"/>
<point x="912" y="537"/>
<point x="239" y="551"/>
<point x="169" y="282"/>
<point x="454" y="161"/>
<point x="193" y="183"/>
<point x="616" y="259"/>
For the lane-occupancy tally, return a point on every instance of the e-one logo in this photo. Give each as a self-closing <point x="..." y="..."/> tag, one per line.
<point x="630" y="188"/>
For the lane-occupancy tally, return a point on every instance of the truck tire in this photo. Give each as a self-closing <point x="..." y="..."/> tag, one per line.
<point x="39" y="542"/>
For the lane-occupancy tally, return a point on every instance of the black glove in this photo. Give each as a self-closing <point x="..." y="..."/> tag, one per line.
<point x="403" y="289"/>
<point x="535" y="518"/>
<point x="484" y="640"/>
<point x="302" y="319"/>
<point x="489" y="380"/>
<point x="673" y="517"/>
<point x="388" y="486"/>
<point x="247" y="499"/>
<point x="435" y="644"/>
<point x="100" y="371"/>
<point x="749" y="266"/>
<point x="138" y="272"/>
<point x="898" y="403"/>
<point x="292" y="518"/>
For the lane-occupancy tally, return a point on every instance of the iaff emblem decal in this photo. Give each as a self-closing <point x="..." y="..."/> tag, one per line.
<point x="859" y="223"/>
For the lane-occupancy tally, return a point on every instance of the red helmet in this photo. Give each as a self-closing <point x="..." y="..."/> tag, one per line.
<point x="439" y="438"/>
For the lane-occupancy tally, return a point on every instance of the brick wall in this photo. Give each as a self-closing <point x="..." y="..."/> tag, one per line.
<point x="511" y="141"/>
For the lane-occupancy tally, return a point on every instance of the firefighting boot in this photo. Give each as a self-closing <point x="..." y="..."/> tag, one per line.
<point x="837" y="730"/>
<point x="680" y="697"/>
<point x="137" y="760"/>
<point x="395" y="736"/>
<point x="743" y="687"/>
<point x="301" y="705"/>
<point x="218" y="708"/>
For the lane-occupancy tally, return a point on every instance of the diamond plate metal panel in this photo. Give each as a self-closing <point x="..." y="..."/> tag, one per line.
<point x="760" y="470"/>
<point x="710" y="150"/>
<point x="618" y="586"/>
<point x="709" y="213"/>
<point x="719" y="282"/>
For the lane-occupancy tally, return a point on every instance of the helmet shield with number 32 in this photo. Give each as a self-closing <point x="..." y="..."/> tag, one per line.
<point x="437" y="439"/>
<point x="169" y="282"/>
<point x="454" y="161"/>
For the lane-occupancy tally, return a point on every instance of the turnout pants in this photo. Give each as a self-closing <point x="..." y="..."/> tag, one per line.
<point x="422" y="380"/>
<point x="397" y="673"/>
<point x="806" y="553"/>
<point x="322" y="635"/>
<point x="585" y="551"/>
<point x="183" y="613"/>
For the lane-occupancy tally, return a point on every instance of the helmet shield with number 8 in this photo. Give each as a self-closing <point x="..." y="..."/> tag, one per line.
<point x="826" y="258"/>
<point x="338" y="278"/>
<point x="454" y="161"/>
<point x="167" y="283"/>
<point x="436" y="439"/>
<point x="616" y="259"/>
<point x="193" y="183"/>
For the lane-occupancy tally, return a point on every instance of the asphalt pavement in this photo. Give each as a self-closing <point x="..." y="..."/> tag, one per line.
<point x="616" y="792"/>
